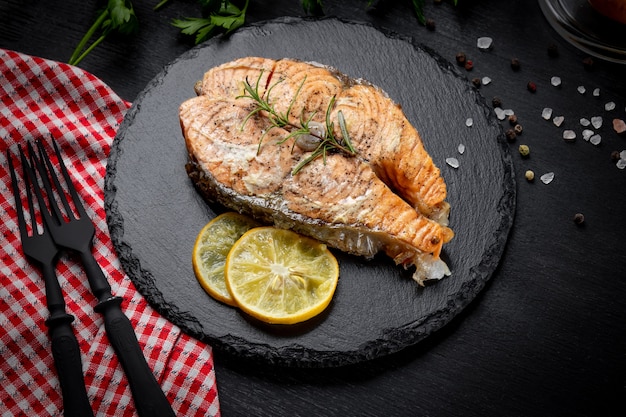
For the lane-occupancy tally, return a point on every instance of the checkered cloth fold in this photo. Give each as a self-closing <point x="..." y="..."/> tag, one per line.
<point x="46" y="99"/>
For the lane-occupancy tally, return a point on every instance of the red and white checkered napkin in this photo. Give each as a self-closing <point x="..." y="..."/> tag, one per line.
<point x="46" y="99"/>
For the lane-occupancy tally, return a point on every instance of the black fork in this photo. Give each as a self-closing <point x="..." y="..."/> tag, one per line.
<point x="76" y="233"/>
<point x="41" y="250"/>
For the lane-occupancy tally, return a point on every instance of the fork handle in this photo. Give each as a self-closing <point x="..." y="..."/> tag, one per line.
<point x="147" y="394"/>
<point x="150" y="401"/>
<point x="65" y="351"/>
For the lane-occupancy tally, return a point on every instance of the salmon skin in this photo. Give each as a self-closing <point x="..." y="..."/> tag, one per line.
<point x="387" y="197"/>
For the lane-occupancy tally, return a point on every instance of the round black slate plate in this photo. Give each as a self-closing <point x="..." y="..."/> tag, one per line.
<point x="154" y="212"/>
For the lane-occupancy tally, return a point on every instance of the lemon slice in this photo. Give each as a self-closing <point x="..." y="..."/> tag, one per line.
<point x="210" y="251"/>
<point x="279" y="276"/>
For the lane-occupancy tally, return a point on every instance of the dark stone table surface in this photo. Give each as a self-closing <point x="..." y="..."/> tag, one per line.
<point x="547" y="335"/>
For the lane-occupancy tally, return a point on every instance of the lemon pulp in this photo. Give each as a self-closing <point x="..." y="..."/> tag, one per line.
<point x="211" y="248"/>
<point x="279" y="276"/>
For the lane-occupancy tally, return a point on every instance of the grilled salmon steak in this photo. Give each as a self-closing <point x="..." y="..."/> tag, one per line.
<point x="387" y="195"/>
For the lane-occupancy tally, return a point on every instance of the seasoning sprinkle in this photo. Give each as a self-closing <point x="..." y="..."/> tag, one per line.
<point x="524" y="150"/>
<point x="615" y="156"/>
<point x="569" y="135"/>
<point x="461" y="58"/>
<point x="619" y="126"/>
<point x="595" y="139"/>
<point x="596" y="121"/>
<point x="484" y="43"/>
<point x="579" y="218"/>
<point x="546" y="113"/>
<point x="553" y="50"/>
<point x="558" y="121"/>
<point x="547" y="178"/>
<point x="529" y="175"/>
<point x="515" y="64"/>
<point x="510" y="135"/>
<point x="587" y="134"/>
<point x="453" y="162"/>
<point x="581" y="89"/>
<point x="518" y="129"/>
<point x="531" y="86"/>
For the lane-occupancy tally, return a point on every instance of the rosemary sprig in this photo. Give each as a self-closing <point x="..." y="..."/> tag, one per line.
<point x="328" y="142"/>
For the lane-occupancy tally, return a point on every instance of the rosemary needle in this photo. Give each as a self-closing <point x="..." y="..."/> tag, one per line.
<point x="328" y="142"/>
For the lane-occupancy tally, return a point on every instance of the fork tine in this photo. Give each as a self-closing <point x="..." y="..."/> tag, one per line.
<point x="18" y="199"/>
<point x="45" y="173"/>
<point x="66" y="176"/>
<point x="29" y="173"/>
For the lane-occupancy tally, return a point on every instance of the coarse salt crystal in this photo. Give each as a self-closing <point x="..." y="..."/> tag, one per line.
<point x="546" y="113"/>
<point x="587" y="134"/>
<point x="469" y="122"/>
<point x="569" y="135"/>
<point x="621" y="164"/>
<point x="558" y="121"/>
<point x="499" y="113"/>
<point x="596" y="92"/>
<point x="461" y="149"/>
<point x="509" y="112"/>
<point x="484" y="43"/>
<point x="609" y="106"/>
<point x="622" y="154"/>
<point x="584" y="122"/>
<point x="453" y="162"/>
<point x="581" y="89"/>
<point x="595" y="139"/>
<point x="555" y="81"/>
<point x="547" y="177"/>
<point x="596" y="121"/>
<point x="486" y="80"/>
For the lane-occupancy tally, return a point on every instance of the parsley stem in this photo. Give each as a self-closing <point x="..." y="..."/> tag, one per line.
<point x="91" y="47"/>
<point x="83" y="42"/>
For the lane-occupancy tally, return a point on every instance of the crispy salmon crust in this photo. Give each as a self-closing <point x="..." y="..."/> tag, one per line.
<point x="390" y="197"/>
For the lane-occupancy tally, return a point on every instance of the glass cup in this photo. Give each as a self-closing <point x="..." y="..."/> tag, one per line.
<point x="597" y="27"/>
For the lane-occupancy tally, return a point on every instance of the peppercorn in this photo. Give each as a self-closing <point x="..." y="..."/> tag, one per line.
<point x="430" y="24"/>
<point x="579" y="218"/>
<point x="518" y="129"/>
<point x="553" y="50"/>
<point x="513" y="120"/>
<point x="529" y="175"/>
<point x="531" y="86"/>
<point x="515" y="64"/>
<point x="524" y="150"/>
<point x="476" y="81"/>
<point x="461" y="58"/>
<point x="615" y="156"/>
<point x="469" y="65"/>
<point x="510" y="135"/>
<point x="588" y="63"/>
<point x="496" y="102"/>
